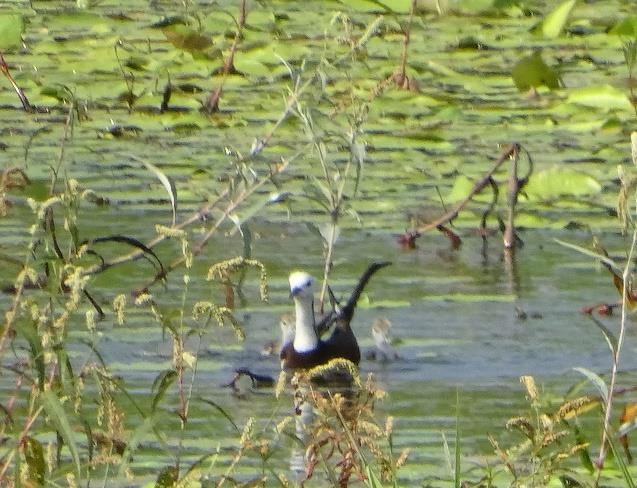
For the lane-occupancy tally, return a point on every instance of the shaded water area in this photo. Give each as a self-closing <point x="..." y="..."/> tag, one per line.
<point x="456" y="312"/>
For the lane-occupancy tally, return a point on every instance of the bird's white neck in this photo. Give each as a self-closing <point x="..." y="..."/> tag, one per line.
<point x="305" y="338"/>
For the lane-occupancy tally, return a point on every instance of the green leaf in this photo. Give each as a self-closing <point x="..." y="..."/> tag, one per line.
<point x="167" y="477"/>
<point x="187" y="39"/>
<point x="605" y="97"/>
<point x="168" y="183"/>
<point x="11" y="28"/>
<point x="160" y="385"/>
<point x="554" y="23"/>
<point x="556" y="182"/>
<point x="34" y="456"/>
<point x="597" y="381"/>
<point x="57" y="414"/>
<point x="133" y="442"/>
<point x="626" y="27"/>
<point x="397" y="6"/>
<point x="611" y="340"/>
<point x="593" y="254"/>
<point x="532" y="72"/>
<point x="462" y="186"/>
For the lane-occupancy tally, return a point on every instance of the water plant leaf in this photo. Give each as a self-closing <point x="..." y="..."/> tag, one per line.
<point x="57" y="414"/>
<point x="397" y="6"/>
<point x="532" y="72"/>
<point x="167" y="477"/>
<point x="11" y="28"/>
<point x="462" y="187"/>
<point x="222" y="411"/>
<point x="626" y="27"/>
<point x="30" y="333"/>
<point x="555" y="182"/>
<point x="605" y="97"/>
<point x="554" y="22"/>
<point x="136" y="437"/>
<point x="132" y="242"/>
<point x="611" y="340"/>
<point x="621" y="462"/>
<point x="34" y="456"/>
<point x="166" y="181"/>
<point x="596" y="380"/>
<point x="162" y="382"/>
<point x="587" y="252"/>
<point x="183" y="37"/>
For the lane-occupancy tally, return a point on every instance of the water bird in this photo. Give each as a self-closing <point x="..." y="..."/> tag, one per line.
<point x="287" y="336"/>
<point x="383" y="349"/>
<point x="307" y="350"/>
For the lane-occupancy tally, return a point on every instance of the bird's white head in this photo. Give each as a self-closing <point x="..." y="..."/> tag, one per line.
<point x="301" y="284"/>
<point x="302" y="290"/>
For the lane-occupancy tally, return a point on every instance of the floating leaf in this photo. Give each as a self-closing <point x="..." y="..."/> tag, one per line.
<point x="605" y="97"/>
<point x="462" y="186"/>
<point x="557" y="181"/>
<point x="554" y="23"/>
<point x="11" y="28"/>
<point x="627" y="27"/>
<point x="397" y="6"/>
<point x="532" y="72"/>
<point x="196" y="43"/>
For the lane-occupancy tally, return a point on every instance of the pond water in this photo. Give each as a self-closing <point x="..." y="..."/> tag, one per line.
<point x="455" y="312"/>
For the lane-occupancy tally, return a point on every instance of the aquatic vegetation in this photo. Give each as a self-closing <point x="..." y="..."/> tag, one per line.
<point x="153" y="153"/>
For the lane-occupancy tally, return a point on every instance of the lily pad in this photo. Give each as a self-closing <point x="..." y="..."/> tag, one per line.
<point x="11" y="27"/>
<point x="554" y="23"/>
<point x="558" y="181"/>
<point x="604" y="97"/>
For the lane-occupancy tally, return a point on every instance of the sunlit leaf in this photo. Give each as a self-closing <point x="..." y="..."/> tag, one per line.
<point x="397" y="6"/>
<point x="605" y="97"/>
<point x="462" y="187"/>
<point x="557" y="181"/>
<point x="596" y="380"/>
<point x="11" y="28"/>
<point x="626" y="27"/>
<point x="167" y="182"/>
<point x="554" y="23"/>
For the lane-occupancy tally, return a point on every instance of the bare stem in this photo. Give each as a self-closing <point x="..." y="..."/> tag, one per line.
<point x="616" y="356"/>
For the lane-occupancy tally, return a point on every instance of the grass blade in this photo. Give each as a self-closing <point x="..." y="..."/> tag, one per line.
<point x="596" y="380"/>
<point x="56" y="412"/>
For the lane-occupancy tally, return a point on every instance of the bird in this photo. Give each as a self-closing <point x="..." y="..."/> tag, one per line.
<point x="273" y="347"/>
<point x="307" y="349"/>
<point x="383" y="351"/>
